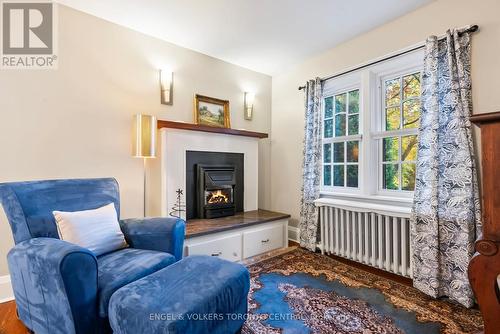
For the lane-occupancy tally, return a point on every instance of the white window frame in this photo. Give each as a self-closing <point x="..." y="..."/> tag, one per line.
<point x="344" y="85"/>
<point x="381" y="133"/>
<point x="370" y="82"/>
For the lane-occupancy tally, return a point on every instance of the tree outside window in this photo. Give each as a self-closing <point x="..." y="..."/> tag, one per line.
<point x="401" y="115"/>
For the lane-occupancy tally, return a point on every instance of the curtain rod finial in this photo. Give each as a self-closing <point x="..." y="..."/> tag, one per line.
<point x="302" y="87"/>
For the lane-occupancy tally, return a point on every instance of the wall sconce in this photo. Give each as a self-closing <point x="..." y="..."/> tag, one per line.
<point x="249" y="98"/>
<point x="167" y="87"/>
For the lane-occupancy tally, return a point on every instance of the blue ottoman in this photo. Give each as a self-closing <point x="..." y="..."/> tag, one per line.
<point x="199" y="294"/>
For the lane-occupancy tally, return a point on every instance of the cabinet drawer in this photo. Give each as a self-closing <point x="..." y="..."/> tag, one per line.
<point x="228" y="247"/>
<point x="262" y="240"/>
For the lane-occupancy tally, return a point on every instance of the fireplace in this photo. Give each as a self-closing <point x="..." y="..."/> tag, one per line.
<point x="215" y="190"/>
<point x="214" y="184"/>
<point x="219" y="196"/>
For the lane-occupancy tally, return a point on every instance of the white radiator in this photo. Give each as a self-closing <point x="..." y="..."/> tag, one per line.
<point x="367" y="233"/>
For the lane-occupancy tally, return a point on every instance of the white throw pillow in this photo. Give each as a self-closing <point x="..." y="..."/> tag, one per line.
<point x="97" y="230"/>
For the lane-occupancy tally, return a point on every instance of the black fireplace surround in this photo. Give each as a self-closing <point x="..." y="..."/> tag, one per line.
<point x="214" y="184"/>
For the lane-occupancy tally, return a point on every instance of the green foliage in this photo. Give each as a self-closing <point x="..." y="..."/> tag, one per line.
<point x="328" y="107"/>
<point x="352" y="176"/>
<point x="340" y="103"/>
<point x="391" y="176"/>
<point x="340" y="125"/>
<point x="352" y="151"/>
<point x="353" y="124"/>
<point x="392" y="118"/>
<point x="402" y="100"/>
<point x="338" y="175"/>
<point x="327" y="153"/>
<point x="338" y="152"/>
<point x="354" y="102"/>
<point x="408" y="177"/>
<point x="328" y="128"/>
<point x="327" y="175"/>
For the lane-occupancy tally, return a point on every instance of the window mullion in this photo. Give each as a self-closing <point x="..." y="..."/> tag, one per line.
<point x="400" y="167"/>
<point x="401" y="103"/>
<point x="395" y="133"/>
<point x="345" y="162"/>
<point x="345" y="138"/>
<point x="347" y="113"/>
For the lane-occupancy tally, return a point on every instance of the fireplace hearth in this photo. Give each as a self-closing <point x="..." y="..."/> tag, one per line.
<point x="215" y="190"/>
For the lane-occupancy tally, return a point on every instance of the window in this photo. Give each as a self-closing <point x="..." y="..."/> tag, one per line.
<point x="370" y="127"/>
<point x="341" y="139"/>
<point x="399" y="140"/>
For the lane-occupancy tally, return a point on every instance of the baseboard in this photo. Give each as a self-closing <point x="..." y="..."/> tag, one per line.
<point x="6" y="293"/>
<point x="293" y="233"/>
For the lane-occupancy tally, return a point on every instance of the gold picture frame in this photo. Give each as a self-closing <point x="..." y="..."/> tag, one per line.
<point x="210" y="111"/>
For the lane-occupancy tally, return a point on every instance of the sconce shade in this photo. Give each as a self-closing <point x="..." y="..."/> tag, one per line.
<point x="249" y="99"/>
<point x="167" y="87"/>
<point x="144" y="136"/>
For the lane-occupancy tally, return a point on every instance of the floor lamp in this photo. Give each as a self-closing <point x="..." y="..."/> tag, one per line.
<point x="144" y="142"/>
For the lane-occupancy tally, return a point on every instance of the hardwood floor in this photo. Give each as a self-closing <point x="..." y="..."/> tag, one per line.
<point x="372" y="270"/>
<point x="9" y="324"/>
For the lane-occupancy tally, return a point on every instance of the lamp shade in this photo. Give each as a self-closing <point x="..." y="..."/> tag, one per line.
<point x="144" y="136"/>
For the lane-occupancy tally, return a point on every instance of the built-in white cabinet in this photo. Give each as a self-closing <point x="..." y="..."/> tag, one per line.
<point x="241" y="243"/>
<point x="227" y="247"/>
<point x="262" y="240"/>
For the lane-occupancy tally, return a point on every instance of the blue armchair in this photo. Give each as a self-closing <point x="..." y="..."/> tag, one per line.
<point x="63" y="288"/>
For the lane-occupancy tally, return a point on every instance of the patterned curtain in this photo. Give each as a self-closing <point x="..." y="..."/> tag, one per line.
<point x="446" y="217"/>
<point x="311" y="167"/>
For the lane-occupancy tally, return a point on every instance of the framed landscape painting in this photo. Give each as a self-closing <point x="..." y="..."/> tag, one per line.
<point x="210" y="111"/>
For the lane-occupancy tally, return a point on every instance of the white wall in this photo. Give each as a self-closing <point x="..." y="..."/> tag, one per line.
<point x="433" y="19"/>
<point x="76" y="121"/>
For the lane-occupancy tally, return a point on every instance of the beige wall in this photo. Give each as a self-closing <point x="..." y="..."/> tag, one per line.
<point x="435" y="18"/>
<point x="76" y="121"/>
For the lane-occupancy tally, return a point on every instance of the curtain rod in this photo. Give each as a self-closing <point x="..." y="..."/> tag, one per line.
<point x="472" y="28"/>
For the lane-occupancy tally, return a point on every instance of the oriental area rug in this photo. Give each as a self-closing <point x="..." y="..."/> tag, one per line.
<point x="298" y="291"/>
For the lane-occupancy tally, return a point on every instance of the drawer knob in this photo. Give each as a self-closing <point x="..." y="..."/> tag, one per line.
<point x="217" y="254"/>
<point x="265" y="241"/>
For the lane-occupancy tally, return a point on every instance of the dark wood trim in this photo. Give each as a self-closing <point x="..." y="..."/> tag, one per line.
<point x="490" y="117"/>
<point x="371" y="270"/>
<point x="205" y="128"/>
<point x="484" y="267"/>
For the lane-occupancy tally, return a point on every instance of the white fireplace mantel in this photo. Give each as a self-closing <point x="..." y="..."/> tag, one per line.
<point x="175" y="143"/>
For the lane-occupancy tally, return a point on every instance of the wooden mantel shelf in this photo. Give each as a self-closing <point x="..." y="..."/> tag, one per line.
<point x="204" y="128"/>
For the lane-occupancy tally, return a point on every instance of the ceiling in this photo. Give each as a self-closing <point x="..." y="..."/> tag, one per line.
<point x="263" y="35"/>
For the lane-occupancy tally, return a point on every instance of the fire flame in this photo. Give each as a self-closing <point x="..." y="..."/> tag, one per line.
<point x="217" y="197"/>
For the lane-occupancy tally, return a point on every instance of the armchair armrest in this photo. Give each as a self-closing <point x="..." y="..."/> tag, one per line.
<point x="55" y="285"/>
<point x="161" y="234"/>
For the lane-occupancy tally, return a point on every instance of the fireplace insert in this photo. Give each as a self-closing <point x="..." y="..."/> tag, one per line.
<point x="215" y="190"/>
<point x="227" y="163"/>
